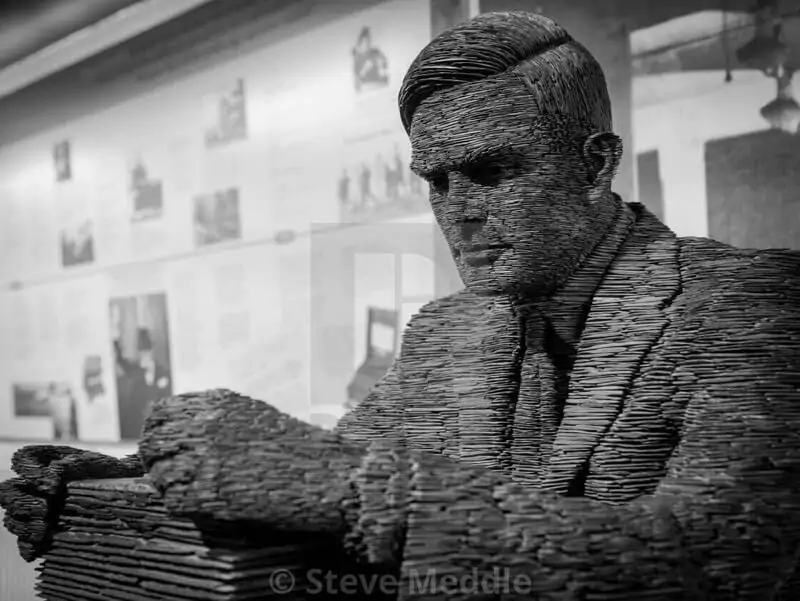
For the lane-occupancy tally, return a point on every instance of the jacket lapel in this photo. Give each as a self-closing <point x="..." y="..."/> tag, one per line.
<point x="627" y="317"/>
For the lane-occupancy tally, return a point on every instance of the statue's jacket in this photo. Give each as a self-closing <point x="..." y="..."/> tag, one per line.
<point x="670" y="471"/>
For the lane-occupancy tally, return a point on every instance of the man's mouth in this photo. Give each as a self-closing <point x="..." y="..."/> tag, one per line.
<point x="483" y="254"/>
<point x="467" y="248"/>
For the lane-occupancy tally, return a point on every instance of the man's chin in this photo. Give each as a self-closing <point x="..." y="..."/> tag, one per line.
<point x="485" y="280"/>
<point x="494" y="280"/>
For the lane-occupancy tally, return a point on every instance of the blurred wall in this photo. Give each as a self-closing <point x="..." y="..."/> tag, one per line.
<point x="703" y="109"/>
<point x="214" y="34"/>
<point x="193" y="163"/>
<point x="76" y="234"/>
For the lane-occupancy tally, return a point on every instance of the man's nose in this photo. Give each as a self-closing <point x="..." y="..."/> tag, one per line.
<point x="467" y="207"/>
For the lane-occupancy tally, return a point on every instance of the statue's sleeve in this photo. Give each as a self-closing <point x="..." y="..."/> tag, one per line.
<point x="379" y="415"/>
<point x="724" y="522"/>
<point x="728" y="527"/>
<point x="425" y="348"/>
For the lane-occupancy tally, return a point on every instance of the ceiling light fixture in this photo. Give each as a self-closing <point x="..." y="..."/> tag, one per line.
<point x="768" y="53"/>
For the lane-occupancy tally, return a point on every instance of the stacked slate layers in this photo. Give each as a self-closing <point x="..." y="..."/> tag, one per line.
<point x="113" y="539"/>
<point x="117" y="542"/>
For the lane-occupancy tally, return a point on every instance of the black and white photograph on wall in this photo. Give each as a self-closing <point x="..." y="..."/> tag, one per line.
<point x="370" y="65"/>
<point x="51" y="400"/>
<point x="62" y="162"/>
<point x="380" y="186"/>
<point x="142" y="363"/>
<point x="146" y="192"/>
<point x="226" y="116"/>
<point x="77" y="244"/>
<point x="216" y="217"/>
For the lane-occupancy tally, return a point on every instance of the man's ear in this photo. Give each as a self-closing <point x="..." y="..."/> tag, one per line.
<point x="602" y="153"/>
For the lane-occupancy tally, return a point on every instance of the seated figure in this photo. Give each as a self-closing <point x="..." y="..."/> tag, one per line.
<point x="608" y="409"/>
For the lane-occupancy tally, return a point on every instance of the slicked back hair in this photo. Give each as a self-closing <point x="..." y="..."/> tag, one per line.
<point x="563" y="77"/>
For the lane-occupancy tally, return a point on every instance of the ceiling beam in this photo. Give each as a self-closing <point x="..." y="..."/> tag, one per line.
<point x="113" y="29"/>
<point x="28" y="26"/>
<point x="640" y="14"/>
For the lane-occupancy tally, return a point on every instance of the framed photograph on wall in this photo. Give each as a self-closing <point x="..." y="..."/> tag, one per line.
<point x="142" y="361"/>
<point x="375" y="181"/>
<point x="370" y="65"/>
<point x="225" y="115"/>
<point x="62" y="161"/>
<point x="77" y="244"/>
<point x="216" y="217"/>
<point x="146" y="192"/>
<point x="54" y="400"/>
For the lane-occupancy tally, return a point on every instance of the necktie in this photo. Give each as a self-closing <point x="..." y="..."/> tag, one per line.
<point x="539" y="405"/>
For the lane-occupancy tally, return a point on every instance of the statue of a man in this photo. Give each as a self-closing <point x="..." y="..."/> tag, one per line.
<point x="607" y="409"/>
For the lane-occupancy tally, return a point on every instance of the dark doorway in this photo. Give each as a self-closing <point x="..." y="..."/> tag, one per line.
<point x="651" y="190"/>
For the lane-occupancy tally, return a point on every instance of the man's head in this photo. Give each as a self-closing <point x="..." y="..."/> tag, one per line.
<point x="144" y="345"/>
<point x="510" y="123"/>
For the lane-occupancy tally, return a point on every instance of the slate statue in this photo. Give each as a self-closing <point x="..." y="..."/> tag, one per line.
<point x="607" y="408"/>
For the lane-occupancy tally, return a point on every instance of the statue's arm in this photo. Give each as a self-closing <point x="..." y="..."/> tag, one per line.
<point x="724" y="523"/>
<point x="727" y="526"/>
<point x="380" y="414"/>
<point x="725" y="518"/>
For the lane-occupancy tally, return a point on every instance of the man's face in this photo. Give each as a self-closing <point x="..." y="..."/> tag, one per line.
<point x="508" y="188"/>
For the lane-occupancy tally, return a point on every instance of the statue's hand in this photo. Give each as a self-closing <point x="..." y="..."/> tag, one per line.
<point x="221" y="455"/>
<point x="33" y="501"/>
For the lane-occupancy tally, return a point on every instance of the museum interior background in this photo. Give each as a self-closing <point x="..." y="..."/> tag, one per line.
<point x="203" y="194"/>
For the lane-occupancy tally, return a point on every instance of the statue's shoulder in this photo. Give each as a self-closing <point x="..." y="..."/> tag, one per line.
<point x="439" y="312"/>
<point x="740" y="315"/>
<point x="428" y="331"/>
<point x="749" y="278"/>
<point x="733" y="264"/>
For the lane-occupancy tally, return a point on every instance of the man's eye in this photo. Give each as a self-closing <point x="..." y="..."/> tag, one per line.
<point x="488" y="173"/>
<point x="439" y="182"/>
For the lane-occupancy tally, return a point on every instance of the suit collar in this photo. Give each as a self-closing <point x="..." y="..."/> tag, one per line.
<point x="626" y="318"/>
<point x="566" y="310"/>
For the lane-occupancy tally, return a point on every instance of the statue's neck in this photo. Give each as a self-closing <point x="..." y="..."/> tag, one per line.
<point x="568" y="307"/>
